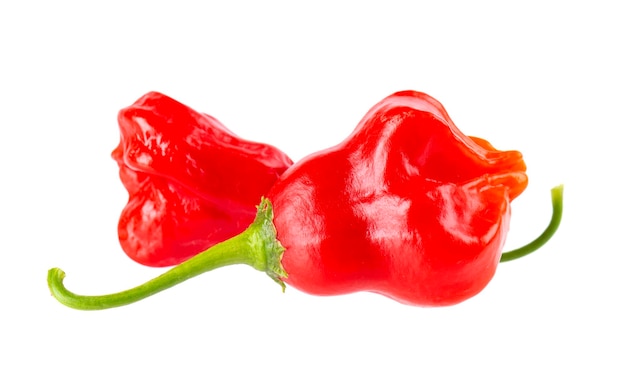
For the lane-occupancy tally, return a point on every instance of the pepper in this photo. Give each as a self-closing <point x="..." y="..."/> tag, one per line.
<point x="191" y="182"/>
<point x="407" y="206"/>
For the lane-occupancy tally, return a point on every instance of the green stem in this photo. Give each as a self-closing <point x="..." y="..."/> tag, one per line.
<point x="257" y="246"/>
<point x="557" y="214"/>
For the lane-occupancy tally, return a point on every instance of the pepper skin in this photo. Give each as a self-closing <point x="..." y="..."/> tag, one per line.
<point x="407" y="206"/>
<point x="191" y="182"/>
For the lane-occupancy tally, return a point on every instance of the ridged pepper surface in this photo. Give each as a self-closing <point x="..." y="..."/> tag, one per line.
<point x="191" y="182"/>
<point x="406" y="206"/>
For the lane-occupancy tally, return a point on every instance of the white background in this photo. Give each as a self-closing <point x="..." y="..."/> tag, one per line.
<point x="546" y="78"/>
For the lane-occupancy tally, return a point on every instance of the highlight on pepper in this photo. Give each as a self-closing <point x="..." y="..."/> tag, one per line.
<point x="407" y="206"/>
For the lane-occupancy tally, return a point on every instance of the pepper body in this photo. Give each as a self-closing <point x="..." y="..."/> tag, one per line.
<point x="407" y="206"/>
<point x="191" y="182"/>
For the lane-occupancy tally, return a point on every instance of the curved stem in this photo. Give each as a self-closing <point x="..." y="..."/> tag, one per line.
<point x="256" y="246"/>
<point x="555" y="221"/>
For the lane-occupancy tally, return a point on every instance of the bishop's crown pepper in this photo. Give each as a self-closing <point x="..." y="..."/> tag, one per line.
<point x="407" y="206"/>
<point x="191" y="182"/>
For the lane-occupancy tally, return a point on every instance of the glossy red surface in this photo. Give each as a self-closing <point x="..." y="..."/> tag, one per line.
<point x="407" y="206"/>
<point x="191" y="182"/>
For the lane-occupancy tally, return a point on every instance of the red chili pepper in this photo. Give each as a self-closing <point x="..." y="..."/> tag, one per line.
<point x="191" y="182"/>
<point x="407" y="206"/>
